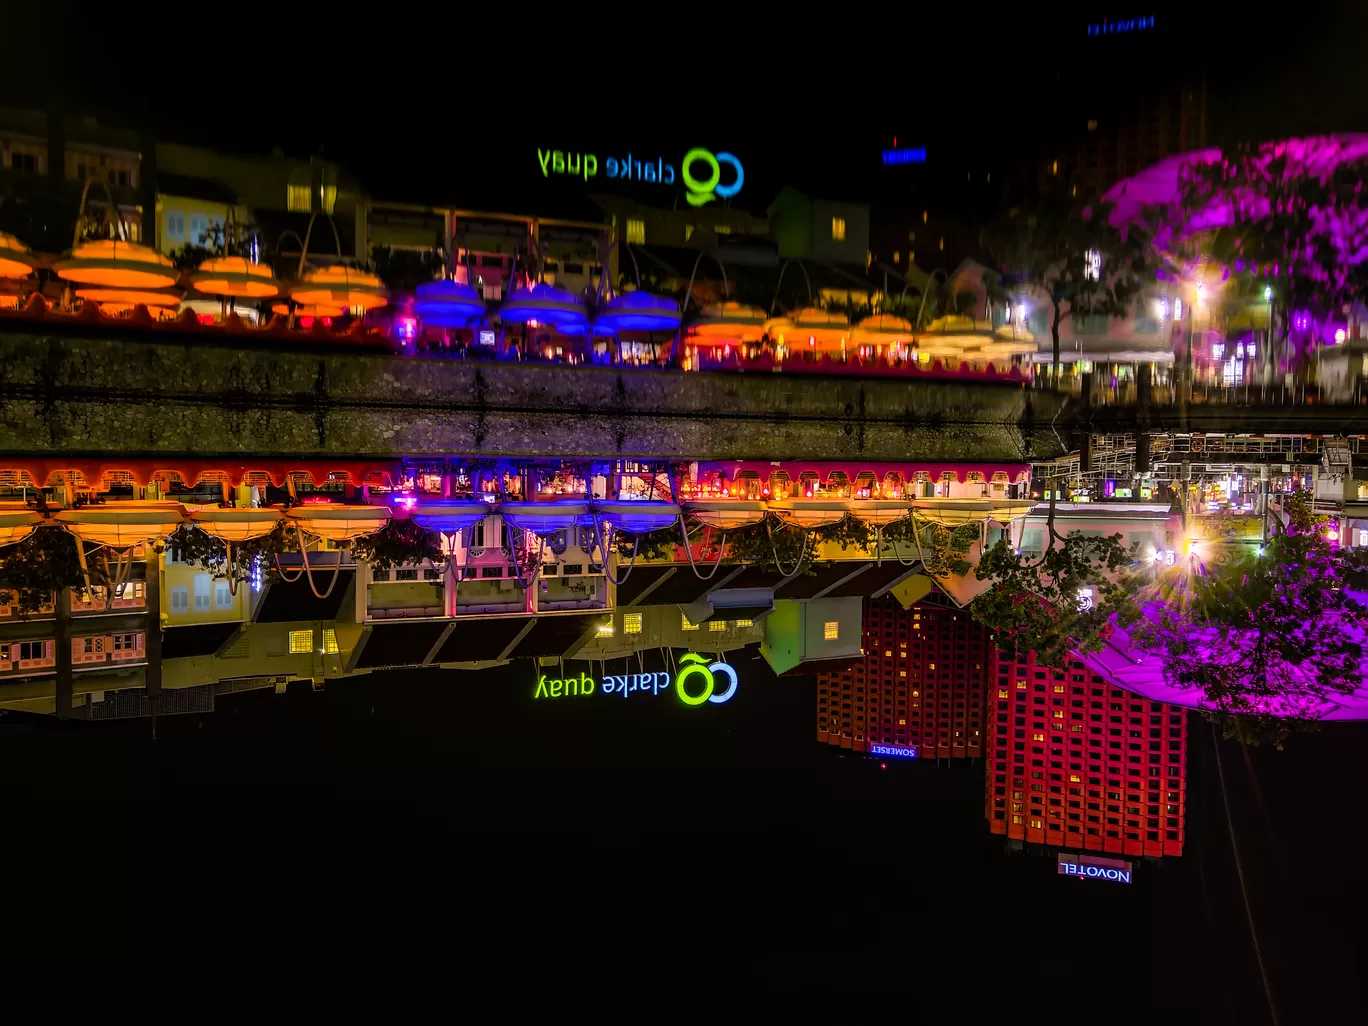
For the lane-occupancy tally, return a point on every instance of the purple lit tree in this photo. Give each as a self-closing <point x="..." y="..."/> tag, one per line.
<point x="1292" y="215"/>
<point x="1268" y="639"/>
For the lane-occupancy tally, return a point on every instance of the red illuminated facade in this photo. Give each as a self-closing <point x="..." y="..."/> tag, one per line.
<point x="920" y="684"/>
<point x="1076" y="763"/>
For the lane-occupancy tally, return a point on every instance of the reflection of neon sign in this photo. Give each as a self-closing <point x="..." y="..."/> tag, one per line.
<point x="1092" y="872"/>
<point x="695" y="683"/>
<point x="904" y="156"/>
<point x="897" y="751"/>
<point x="1111" y="28"/>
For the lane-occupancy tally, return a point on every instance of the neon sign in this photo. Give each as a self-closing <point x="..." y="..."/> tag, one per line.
<point x="701" y="187"/>
<point x="695" y="683"/>
<point x="1087" y="867"/>
<point x="892" y="158"/>
<point x="1110" y="28"/>
<point x="897" y="751"/>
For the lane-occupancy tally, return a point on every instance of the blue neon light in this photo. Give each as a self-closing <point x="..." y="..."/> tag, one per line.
<point x="904" y="156"/>
<point x="1111" y="28"/>
<point x="897" y="751"/>
<point x="637" y="311"/>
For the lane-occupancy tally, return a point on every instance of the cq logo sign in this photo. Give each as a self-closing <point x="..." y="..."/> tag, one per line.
<point x="697" y="682"/>
<point x="697" y="668"/>
<point x="706" y="189"/>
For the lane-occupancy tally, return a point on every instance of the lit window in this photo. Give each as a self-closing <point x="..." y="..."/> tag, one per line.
<point x="1002" y="692"/>
<point x="685" y="625"/>
<point x="1037" y="824"/>
<point x="838" y="229"/>
<point x="722" y="229"/>
<point x="298" y="198"/>
<point x="329" y="195"/>
<point x="636" y="231"/>
<point x="1092" y="125"/>
<point x="831" y="630"/>
<point x="1016" y="820"/>
<point x="330" y="641"/>
<point x="896" y="256"/>
<point x="300" y="642"/>
<point x="688" y="232"/>
<point x="631" y="623"/>
<point x="745" y="623"/>
<point x="1037" y="737"/>
<point x="605" y="630"/>
<point x="717" y="625"/>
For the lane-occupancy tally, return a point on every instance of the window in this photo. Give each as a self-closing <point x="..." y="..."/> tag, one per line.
<point x="124" y="643"/>
<point x="329" y="198"/>
<point x="831" y="630"/>
<point x="631" y="623"/>
<point x="223" y="598"/>
<point x="636" y="231"/>
<point x="745" y="623"/>
<point x="297" y="197"/>
<point x="24" y="161"/>
<point x="301" y="642"/>
<point x="721" y="229"/>
<point x="330" y="641"/>
<point x="838" y="229"/>
<point x="199" y="230"/>
<point x="605" y="630"/>
<point x="180" y="598"/>
<point x="688" y="232"/>
<point x="717" y="625"/>
<point x="173" y="226"/>
<point x="685" y="625"/>
<point x="201" y="593"/>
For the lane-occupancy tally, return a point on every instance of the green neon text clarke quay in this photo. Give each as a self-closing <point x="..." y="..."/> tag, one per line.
<point x="695" y="683"/>
<point x="700" y="171"/>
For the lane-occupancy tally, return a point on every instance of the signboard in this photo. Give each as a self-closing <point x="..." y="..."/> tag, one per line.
<point x="1121" y="25"/>
<point x="896" y="751"/>
<point x="699" y="680"/>
<point x="1094" y="867"/>
<point x="705" y="175"/>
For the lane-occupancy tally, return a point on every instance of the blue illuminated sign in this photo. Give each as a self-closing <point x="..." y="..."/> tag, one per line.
<point x="696" y="682"/>
<point x="897" y="751"/>
<point x="1111" y="28"/>
<point x="1089" y="868"/>
<point x="904" y="156"/>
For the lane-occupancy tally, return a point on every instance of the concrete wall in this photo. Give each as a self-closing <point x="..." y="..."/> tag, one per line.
<point x="121" y="394"/>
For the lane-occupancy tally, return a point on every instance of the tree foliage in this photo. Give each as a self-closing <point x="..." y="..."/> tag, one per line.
<point x="1291" y="214"/>
<point x="1059" y="602"/>
<point x="401" y="542"/>
<point x="1043" y="250"/>
<point x="1264" y="635"/>
<point x="42" y="564"/>
<point x="194" y="546"/>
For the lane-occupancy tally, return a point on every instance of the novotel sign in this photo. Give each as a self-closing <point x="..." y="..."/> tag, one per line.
<point x="699" y="680"/>
<point x="896" y="751"/>
<point x="705" y="175"/>
<point x="1089" y="867"/>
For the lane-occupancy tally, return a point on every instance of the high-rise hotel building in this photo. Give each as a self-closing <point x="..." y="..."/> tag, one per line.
<point x="1076" y="763"/>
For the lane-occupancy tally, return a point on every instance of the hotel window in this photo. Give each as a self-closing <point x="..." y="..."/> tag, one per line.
<point x="301" y="642"/>
<point x="173" y="226"/>
<point x="202" y="593"/>
<point x="838" y="229"/>
<point x="298" y="198"/>
<point x="831" y="630"/>
<point x="605" y="630"/>
<point x="717" y="625"/>
<point x="223" y="598"/>
<point x="685" y="625"/>
<point x="636" y="231"/>
<point x="180" y="598"/>
<point x="745" y="623"/>
<point x="631" y="623"/>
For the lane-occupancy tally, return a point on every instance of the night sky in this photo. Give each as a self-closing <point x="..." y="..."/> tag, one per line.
<point x="441" y="825"/>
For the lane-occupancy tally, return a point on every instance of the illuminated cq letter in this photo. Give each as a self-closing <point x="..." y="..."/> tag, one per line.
<point x="698" y="666"/>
